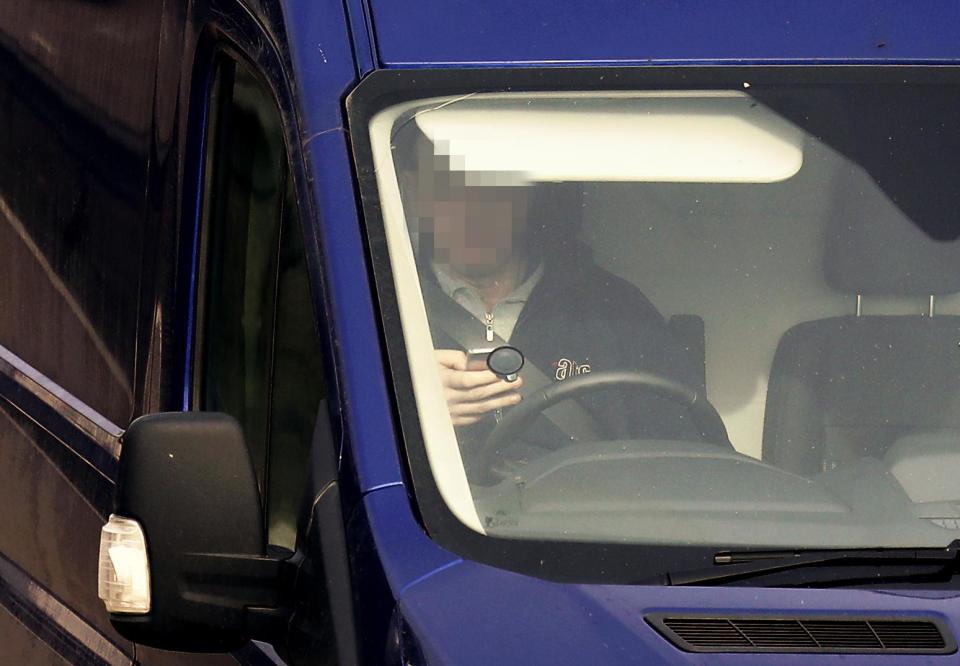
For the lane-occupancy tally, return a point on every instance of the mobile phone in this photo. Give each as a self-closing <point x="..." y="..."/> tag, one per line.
<point x="504" y="361"/>
<point x="477" y="358"/>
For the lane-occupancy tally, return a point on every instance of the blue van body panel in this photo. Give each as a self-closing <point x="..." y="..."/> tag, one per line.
<point x="362" y="36"/>
<point x="500" y="617"/>
<point x="321" y="52"/>
<point x="455" y="607"/>
<point x="324" y="69"/>
<point x="461" y="32"/>
<point x="407" y="554"/>
<point x="463" y="612"/>
<point x="365" y="406"/>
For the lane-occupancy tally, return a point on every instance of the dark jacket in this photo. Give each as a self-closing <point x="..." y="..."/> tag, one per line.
<point x="581" y="318"/>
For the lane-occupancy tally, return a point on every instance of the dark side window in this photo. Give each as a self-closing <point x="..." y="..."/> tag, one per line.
<point x="259" y="357"/>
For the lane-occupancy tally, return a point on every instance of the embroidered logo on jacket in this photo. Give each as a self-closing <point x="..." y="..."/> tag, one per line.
<point x="567" y="368"/>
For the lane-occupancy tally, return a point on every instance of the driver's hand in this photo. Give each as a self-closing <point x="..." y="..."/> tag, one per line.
<point x="472" y="391"/>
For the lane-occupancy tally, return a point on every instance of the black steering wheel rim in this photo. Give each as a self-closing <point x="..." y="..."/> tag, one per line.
<point x="704" y="414"/>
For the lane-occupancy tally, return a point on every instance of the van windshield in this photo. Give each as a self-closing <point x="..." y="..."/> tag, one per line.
<point x="685" y="317"/>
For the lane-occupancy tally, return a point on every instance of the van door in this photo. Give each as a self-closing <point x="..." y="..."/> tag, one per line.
<point x="258" y="353"/>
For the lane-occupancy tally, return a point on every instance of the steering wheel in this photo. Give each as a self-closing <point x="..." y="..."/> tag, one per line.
<point x="518" y="419"/>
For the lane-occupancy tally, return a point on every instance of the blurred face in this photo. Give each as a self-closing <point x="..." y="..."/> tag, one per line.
<point x="476" y="230"/>
<point x="480" y="232"/>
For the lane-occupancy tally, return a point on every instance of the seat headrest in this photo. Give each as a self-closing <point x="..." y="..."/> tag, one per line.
<point x="874" y="249"/>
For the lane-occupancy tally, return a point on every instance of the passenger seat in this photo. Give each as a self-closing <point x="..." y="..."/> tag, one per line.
<point x="851" y="386"/>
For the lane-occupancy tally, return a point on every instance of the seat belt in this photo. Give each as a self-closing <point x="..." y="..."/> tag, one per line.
<point x="570" y="417"/>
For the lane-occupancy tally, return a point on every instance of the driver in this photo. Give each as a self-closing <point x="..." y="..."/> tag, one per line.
<point x="529" y="282"/>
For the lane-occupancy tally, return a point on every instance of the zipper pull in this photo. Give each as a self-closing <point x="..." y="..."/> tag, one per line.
<point x="488" y="320"/>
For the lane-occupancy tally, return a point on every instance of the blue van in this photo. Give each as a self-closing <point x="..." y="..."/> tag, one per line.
<point x="371" y="332"/>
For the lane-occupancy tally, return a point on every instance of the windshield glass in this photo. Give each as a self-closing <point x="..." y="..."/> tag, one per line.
<point x="694" y="317"/>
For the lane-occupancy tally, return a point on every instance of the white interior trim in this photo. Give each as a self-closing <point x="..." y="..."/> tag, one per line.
<point x="439" y="437"/>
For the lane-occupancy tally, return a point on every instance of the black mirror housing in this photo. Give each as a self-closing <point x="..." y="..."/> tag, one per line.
<point x="187" y="478"/>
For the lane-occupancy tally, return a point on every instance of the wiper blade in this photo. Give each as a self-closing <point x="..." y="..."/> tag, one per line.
<point x="889" y="563"/>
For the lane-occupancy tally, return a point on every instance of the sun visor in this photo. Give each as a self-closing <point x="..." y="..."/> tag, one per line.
<point x="875" y="249"/>
<point x="693" y="137"/>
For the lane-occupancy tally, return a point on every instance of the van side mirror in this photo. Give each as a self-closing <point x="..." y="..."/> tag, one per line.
<point x="206" y="583"/>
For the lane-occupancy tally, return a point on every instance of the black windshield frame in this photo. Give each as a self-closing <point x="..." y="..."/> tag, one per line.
<point x="571" y="561"/>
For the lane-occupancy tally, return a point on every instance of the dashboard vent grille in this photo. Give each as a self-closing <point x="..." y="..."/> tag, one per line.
<point x="702" y="633"/>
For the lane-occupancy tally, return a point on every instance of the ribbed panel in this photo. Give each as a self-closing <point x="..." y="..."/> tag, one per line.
<point x="908" y="634"/>
<point x="719" y="633"/>
<point x="803" y="634"/>
<point x="775" y="633"/>
<point x="843" y="634"/>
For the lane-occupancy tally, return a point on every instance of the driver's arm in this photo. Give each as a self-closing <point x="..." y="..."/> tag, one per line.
<point x="472" y="392"/>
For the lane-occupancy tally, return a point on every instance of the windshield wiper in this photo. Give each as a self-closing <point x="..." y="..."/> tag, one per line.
<point x="854" y="564"/>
